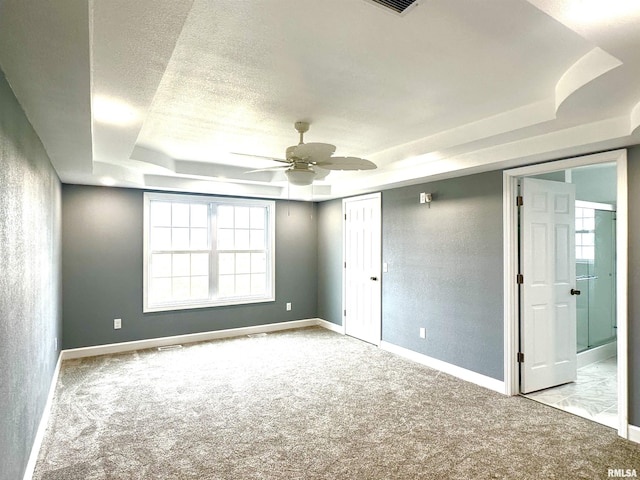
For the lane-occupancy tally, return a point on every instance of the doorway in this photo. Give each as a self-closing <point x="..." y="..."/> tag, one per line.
<point x="361" y="298"/>
<point x="583" y="253"/>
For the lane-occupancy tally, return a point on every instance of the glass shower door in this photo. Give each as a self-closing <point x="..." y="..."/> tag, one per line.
<point x="595" y="277"/>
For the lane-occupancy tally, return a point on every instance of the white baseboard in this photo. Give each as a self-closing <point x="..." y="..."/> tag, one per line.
<point x="188" y="338"/>
<point x="597" y="354"/>
<point x="459" y="372"/>
<point x="330" y="326"/>
<point x="42" y="426"/>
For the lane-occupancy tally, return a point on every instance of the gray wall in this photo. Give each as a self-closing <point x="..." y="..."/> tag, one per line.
<point x="102" y="272"/>
<point x="330" y="261"/>
<point x="633" y="166"/>
<point x="30" y="286"/>
<point x="439" y="256"/>
<point x="445" y="271"/>
<point x="594" y="183"/>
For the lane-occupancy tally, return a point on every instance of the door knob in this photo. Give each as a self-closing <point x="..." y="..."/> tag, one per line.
<point x="375" y="279"/>
<point x="575" y="292"/>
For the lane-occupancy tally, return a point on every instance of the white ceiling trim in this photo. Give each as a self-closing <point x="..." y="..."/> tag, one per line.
<point x="451" y="87"/>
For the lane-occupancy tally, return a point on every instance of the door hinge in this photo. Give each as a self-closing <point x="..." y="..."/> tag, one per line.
<point x="345" y="216"/>
<point x="345" y="264"/>
<point x="519" y="201"/>
<point x="520" y="357"/>
<point x="519" y="279"/>
<point x="345" y="313"/>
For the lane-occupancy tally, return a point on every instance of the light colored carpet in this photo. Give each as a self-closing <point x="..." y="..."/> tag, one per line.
<point x="305" y="404"/>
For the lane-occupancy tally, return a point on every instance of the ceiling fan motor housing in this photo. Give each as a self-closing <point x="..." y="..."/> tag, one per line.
<point x="302" y="159"/>
<point x="302" y="127"/>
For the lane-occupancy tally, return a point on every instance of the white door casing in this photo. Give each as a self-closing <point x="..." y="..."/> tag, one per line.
<point x="362" y="267"/>
<point x="548" y="315"/>
<point x="511" y="268"/>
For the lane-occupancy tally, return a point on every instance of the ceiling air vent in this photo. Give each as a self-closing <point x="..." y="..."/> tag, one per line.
<point x="398" y="6"/>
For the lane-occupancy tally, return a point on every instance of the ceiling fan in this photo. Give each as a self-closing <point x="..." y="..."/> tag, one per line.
<point x="307" y="161"/>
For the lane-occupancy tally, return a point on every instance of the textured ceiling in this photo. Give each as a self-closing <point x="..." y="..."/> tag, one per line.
<point x="447" y="87"/>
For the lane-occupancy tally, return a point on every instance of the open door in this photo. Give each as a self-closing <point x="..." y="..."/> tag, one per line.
<point x="362" y="265"/>
<point x="547" y="302"/>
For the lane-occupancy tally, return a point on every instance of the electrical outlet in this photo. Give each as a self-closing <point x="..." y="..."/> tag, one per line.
<point x="423" y="198"/>
<point x="288" y="306"/>
<point x="117" y="323"/>
<point x="385" y="267"/>
<point x="423" y="332"/>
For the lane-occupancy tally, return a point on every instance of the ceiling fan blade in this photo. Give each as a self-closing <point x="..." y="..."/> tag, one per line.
<point x="321" y="173"/>
<point x="259" y="156"/>
<point x="313" y="151"/>
<point x="346" y="163"/>
<point x="269" y="169"/>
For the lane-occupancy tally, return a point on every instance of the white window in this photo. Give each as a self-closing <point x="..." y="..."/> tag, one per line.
<point x="585" y="234"/>
<point x="206" y="251"/>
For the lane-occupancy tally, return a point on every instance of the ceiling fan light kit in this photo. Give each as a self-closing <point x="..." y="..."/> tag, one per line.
<point x="303" y="159"/>
<point x="300" y="176"/>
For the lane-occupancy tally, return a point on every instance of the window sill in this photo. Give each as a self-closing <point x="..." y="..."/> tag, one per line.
<point x="221" y="303"/>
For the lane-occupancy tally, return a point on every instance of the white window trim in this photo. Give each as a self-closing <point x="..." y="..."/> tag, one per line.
<point x="208" y="199"/>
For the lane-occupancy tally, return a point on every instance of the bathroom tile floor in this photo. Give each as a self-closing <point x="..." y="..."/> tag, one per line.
<point x="594" y="395"/>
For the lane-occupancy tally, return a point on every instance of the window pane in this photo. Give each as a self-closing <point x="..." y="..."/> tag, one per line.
<point x="258" y="263"/>
<point x="241" y="217"/>
<point x="226" y="285"/>
<point x="258" y="284"/>
<point x="587" y="239"/>
<point x="588" y="252"/>
<point x="242" y="240"/>
<point x="160" y="290"/>
<point x="199" y="264"/>
<point x="589" y="223"/>
<point x="199" y="239"/>
<point x="180" y="238"/>
<point x="161" y="265"/>
<point x="200" y="287"/>
<point x="243" y="285"/>
<point x="227" y="263"/>
<point x="257" y="218"/>
<point x="225" y="216"/>
<point x="199" y="216"/>
<point x="225" y="239"/>
<point x="160" y="214"/>
<point x="179" y="215"/>
<point x="181" y="265"/>
<point x="181" y="288"/>
<point x="256" y="239"/>
<point x="161" y="238"/>
<point x="243" y="263"/>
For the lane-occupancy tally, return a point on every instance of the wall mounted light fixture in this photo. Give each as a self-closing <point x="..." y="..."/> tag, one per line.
<point x="426" y="198"/>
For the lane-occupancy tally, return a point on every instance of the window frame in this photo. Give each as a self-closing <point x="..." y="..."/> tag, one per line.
<point x="211" y="201"/>
<point x="580" y="245"/>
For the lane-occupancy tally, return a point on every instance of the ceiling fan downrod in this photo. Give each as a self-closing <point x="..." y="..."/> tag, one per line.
<point x="301" y="128"/>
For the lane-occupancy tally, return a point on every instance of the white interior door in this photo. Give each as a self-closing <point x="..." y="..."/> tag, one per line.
<point x="362" y="262"/>
<point x="548" y="306"/>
